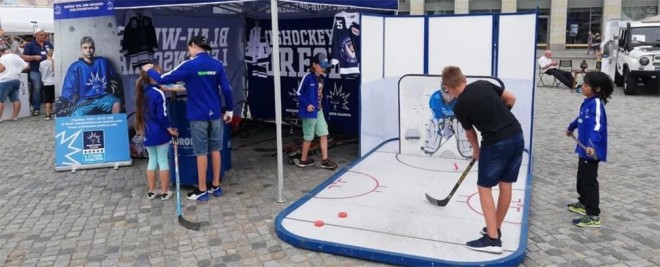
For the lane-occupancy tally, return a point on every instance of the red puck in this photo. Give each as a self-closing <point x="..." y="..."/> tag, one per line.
<point x="343" y="214"/>
<point x="455" y="166"/>
<point x="318" y="223"/>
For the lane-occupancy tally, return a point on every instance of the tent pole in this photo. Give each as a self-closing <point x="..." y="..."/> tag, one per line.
<point x="278" y="98"/>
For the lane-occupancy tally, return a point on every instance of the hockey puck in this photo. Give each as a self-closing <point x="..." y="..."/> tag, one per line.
<point x="455" y="166"/>
<point x="318" y="223"/>
<point x="343" y="214"/>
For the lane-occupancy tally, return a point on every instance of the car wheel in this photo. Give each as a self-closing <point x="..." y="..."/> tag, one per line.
<point x="618" y="79"/>
<point x="629" y="83"/>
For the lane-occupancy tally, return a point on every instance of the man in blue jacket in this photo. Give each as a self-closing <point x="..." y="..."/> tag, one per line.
<point x="311" y="107"/>
<point x="202" y="75"/>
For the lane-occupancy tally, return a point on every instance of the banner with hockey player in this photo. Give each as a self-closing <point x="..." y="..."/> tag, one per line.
<point x="90" y="123"/>
<point x="300" y="39"/>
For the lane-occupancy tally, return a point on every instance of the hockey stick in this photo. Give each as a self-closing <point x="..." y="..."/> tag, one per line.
<point x="445" y="201"/>
<point x="182" y="221"/>
<point x="584" y="147"/>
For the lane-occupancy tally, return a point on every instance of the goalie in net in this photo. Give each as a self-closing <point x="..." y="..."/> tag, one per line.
<point x="443" y="125"/>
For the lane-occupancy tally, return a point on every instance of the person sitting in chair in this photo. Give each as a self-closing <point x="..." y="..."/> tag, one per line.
<point x="549" y="66"/>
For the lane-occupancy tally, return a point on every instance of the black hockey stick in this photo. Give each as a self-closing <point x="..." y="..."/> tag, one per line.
<point x="594" y="156"/>
<point x="444" y="202"/>
<point x="182" y="221"/>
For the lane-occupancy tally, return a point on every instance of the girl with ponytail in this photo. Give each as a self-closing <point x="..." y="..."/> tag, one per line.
<point x="152" y="123"/>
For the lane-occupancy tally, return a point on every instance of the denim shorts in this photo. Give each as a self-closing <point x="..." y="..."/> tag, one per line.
<point x="313" y="126"/>
<point x="206" y="136"/>
<point x="9" y="89"/>
<point x="500" y="162"/>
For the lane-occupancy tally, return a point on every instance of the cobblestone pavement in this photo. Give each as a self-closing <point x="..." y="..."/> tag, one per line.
<point x="102" y="217"/>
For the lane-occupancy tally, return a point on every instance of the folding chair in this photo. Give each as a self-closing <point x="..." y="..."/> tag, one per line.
<point x="566" y="63"/>
<point x="542" y="74"/>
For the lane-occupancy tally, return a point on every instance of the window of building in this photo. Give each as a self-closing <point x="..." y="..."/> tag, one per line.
<point x="580" y="21"/>
<point x="638" y="12"/>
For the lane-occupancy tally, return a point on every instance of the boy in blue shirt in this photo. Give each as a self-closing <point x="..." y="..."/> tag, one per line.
<point x="312" y="106"/>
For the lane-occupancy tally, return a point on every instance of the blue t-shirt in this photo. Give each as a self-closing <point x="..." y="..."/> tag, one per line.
<point x="34" y="49"/>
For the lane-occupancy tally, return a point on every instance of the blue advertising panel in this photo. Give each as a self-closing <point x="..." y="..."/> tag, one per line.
<point x="91" y="141"/>
<point x="300" y="40"/>
<point x="83" y="9"/>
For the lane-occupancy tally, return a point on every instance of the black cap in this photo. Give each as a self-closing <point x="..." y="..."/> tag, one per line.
<point x="321" y="59"/>
<point x="200" y="41"/>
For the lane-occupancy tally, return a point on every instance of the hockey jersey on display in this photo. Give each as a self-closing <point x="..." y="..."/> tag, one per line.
<point x="139" y="42"/>
<point x="345" y="43"/>
<point x="257" y="53"/>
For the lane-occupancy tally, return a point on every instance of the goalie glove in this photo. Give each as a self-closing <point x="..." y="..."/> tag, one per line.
<point x="114" y="87"/>
<point x="228" y="116"/>
<point x="63" y="107"/>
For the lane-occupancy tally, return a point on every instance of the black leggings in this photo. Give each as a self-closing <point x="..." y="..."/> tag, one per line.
<point x="587" y="186"/>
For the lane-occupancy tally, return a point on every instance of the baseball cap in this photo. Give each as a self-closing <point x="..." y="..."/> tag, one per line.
<point x="321" y="59"/>
<point x="38" y="30"/>
<point x="200" y="41"/>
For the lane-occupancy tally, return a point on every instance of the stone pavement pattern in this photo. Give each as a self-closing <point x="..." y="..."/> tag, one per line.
<point x="102" y="217"/>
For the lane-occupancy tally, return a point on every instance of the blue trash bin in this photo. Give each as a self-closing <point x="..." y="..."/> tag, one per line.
<point x="187" y="159"/>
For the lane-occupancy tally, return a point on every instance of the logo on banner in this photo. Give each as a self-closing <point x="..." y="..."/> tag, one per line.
<point x="110" y="5"/>
<point x="93" y="146"/>
<point x="58" y="10"/>
<point x="338" y="100"/>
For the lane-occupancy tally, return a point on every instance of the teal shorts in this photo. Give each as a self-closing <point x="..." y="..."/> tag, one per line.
<point x="316" y="126"/>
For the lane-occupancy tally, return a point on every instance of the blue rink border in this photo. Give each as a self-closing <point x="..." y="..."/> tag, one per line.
<point x="390" y="257"/>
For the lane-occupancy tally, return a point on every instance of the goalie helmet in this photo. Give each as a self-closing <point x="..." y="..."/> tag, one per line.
<point x="441" y="104"/>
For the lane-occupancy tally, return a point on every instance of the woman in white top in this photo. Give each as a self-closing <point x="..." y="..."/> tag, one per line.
<point x="11" y="66"/>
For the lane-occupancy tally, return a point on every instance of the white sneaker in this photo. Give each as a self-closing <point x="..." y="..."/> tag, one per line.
<point x="151" y="195"/>
<point x="167" y="195"/>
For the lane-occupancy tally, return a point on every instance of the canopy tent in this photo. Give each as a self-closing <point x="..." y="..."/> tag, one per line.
<point x="23" y="20"/>
<point x="259" y="9"/>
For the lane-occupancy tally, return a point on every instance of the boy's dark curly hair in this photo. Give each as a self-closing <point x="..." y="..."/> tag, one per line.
<point x="601" y="84"/>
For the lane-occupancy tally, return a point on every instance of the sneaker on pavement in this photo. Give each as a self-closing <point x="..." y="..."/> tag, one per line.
<point x="328" y="164"/>
<point x="198" y="195"/>
<point x="485" y="232"/>
<point x="305" y="163"/>
<point x="215" y="190"/>
<point x="48" y="117"/>
<point x="486" y="244"/>
<point x="587" y="221"/>
<point x="35" y="112"/>
<point x="578" y="208"/>
<point x="166" y="195"/>
<point x="151" y="195"/>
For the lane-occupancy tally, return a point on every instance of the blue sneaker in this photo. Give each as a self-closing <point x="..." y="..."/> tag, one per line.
<point x="198" y="195"/>
<point x="486" y="244"/>
<point x="215" y="190"/>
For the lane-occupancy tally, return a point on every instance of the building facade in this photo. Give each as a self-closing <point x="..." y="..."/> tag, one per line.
<point x="562" y="24"/>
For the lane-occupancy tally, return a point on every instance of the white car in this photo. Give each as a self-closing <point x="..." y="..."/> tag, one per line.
<point x="638" y="56"/>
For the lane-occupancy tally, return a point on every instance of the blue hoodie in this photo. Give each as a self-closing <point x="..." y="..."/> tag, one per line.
<point x="308" y="95"/>
<point x="591" y="124"/>
<point x="202" y="75"/>
<point x="156" y="121"/>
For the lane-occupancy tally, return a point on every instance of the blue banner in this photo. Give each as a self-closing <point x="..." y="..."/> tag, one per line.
<point x="96" y="140"/>
<point x="83" y="9"/>
<point x="300" y="39"/>
<point x="372" y="4"/>
<point x="164" y="41"/>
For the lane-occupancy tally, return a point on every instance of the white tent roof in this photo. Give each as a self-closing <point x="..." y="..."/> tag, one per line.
<point x="23" y="20"/>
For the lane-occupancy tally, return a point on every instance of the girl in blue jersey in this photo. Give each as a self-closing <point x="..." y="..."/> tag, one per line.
<point x="591" y="124"/>
<point x="152" y="123"/>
